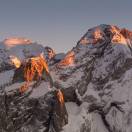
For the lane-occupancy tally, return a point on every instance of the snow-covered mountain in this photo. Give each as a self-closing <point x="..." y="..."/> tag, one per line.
<point x="97" y="74"/>
<point x="20" y="49"/>
<point x="94" y="78"/>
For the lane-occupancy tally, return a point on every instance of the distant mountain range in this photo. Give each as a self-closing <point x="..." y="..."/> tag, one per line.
<point x="88" y="89"/>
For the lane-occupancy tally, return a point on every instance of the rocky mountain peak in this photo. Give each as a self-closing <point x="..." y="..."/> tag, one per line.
<point x="102" y="32"/>
<point x="49" y="52"/>
<point x="32" y="69"/>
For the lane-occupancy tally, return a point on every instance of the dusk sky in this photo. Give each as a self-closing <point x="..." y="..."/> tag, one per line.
<point x="60" y="23"/>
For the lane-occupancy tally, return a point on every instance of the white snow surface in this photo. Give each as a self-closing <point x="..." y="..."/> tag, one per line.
<point x="76" y="117"/>
<point x="6" y="77"/>
<point x="41" y="90"/>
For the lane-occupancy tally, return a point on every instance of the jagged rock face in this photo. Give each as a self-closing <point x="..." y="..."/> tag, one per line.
<point x="49" y="53"/>
<point x="36" y="108"/>
<point x="33" y="69"/>
<point x="101" y="79"/>
<point x="22" y="113"/>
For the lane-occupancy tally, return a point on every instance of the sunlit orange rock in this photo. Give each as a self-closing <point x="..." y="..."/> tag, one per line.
<point x="15" y="61"/>
<point x="23" y="88"/>
<point x="126" y="33"/>
<point x="68" y="60"/>
<point x="98" y="35"/>
<point x="33" y="69"/>
<point x="60" y="97"/>
<point x="95" y="36"/>
<point x="117" y="37"/>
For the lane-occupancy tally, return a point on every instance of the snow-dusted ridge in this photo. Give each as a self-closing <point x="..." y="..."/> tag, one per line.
<point x="21" y="48"/>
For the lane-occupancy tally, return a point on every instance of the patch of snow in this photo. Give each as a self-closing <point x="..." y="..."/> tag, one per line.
<point x="14" y="86"/>
<point x="76" y="117"/>
<point x="41" y="90"/>
<point x="6" y="77"/>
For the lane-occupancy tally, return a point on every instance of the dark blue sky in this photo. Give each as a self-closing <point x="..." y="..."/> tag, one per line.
<point x="60" y="23"/>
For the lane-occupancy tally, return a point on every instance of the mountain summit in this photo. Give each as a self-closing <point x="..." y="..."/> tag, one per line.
<point x="103" y="32"/>
<point x="14" y="41"/>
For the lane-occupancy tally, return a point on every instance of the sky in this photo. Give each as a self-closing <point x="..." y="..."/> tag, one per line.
<point x="60" y="23"/>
